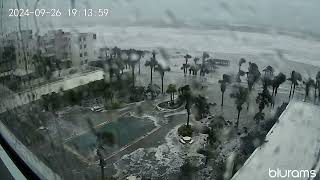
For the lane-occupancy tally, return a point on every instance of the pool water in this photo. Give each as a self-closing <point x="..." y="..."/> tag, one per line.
<point x="125" y="130"/>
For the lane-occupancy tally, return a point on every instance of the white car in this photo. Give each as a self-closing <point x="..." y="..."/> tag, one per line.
<point x="96" y="109"/>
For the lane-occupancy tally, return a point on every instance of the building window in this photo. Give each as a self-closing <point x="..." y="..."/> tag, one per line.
<point x="80" y="46"/>
<point x="85" y="46"/>
<point x="85" y="54"/>
<point x="86" y="61"/>
<point x="94" y="36"/>
<point x="80" y="54"/>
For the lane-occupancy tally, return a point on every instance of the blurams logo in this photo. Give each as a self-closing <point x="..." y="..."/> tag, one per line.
<point x="292" y="173"/>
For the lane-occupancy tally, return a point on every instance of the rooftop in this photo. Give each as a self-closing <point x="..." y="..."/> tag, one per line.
<point x="292" y="144"/>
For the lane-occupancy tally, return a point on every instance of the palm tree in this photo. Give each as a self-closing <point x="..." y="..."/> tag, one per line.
<point x="202" y="106"/>
<point x="152" y="63"/>
<point x="223" y="85"/>
<point x="195" y="60"/>
<point x="185" y="65"/>
<point x="102" y="139"/>
<point x="141" y="54"/>
<point x="133" y="60"/>
<point x="268" y="70"/>
<point x="194" y="69"/>
<point x="264" y="99"/>
<point x="204" y="69"/>
<point x="185" y="93"/>
<point x="317" y="85"/>
<point x="162" y="69"/>
<point x="309" y="83"/>
<point x="253" y="75"/>
<point x="241" y="61"/>
<point x="276" y="82"/>
<point x="171" y="90"/>
<point x="240" y="95"/>
<point x="295" y="77"/>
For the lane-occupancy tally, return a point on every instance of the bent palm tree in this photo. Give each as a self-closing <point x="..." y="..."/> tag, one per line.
<point x="295" y="77"/>
<point x="308" y="83"/>
<point x="276" y="82"/>
<point x="240" y="95"/>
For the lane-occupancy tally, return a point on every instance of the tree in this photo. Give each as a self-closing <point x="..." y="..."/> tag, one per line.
<point x="241" y="61"/>
<point x="295" y="77"/>
<point x="239" y="74"/>
<point x="268" y="71"/>
<point x="186" y="94"/>
<point x="317" y="85"/>
<point x="204" y="69"/>
<point x="133" y="60"/>
<point x="195" y="60"/>
<point x="276" y="82"/>
<point x="308" y="83"/>
<point x="102" y="139"/>
<point x="162" y="69"/>
<point x="240" y="94"/>
<point x="171" y="90"/>
<point x="152" y="63"/>
<point x="263" y="99"/>
<point x="223" y="85"/>
<point x="185" y="65"/>
<point x="153" y="90"/>
<point x="202" y="106"/>
<point x="141" y="54"/>
<point x="253" y="75"/>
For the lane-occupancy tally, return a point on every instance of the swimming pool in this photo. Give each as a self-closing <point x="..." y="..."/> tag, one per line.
<point x="125" y="130"/>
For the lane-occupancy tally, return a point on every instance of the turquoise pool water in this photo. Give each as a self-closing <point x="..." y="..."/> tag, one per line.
<point x="125" y="130"/>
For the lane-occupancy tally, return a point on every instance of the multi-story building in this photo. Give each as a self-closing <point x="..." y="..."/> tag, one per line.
<point x="84" y="48"/>
<point x="57" y="44"/>
<point x="75" y="49"/>
<point x="24" y="47"/>
<point x="67" y="48"/>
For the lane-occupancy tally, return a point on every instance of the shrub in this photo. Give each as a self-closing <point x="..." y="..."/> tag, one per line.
<point x="185" y="130"/>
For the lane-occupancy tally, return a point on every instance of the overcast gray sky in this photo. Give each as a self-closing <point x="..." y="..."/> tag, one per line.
<point x="290" y="14"/>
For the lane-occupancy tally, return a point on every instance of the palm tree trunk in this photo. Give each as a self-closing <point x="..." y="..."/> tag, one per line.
<point x="237" y="123"/>
<point x="139" y="66"/>
<point x="132" y="68"/>
<point x="188" y="119"/>
<point x="150" y="76"/>
<point x="290" y="90"/>
<point x="162" y="84"/>
<point x="294" y="88"/>
<point x="273" y="88"/>
<point x="222" y="99"/>
<point x="102" y="172"/>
